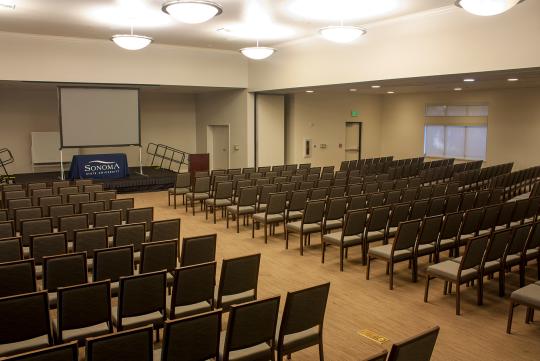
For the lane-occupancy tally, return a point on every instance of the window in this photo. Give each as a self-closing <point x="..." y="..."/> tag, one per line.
<point x="455" y="141"/>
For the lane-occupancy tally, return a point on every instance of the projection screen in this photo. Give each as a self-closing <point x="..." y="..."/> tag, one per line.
<point x="96" y="117"/>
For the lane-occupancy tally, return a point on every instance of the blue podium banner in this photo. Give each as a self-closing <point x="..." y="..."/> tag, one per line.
<point x="99" y="166"/>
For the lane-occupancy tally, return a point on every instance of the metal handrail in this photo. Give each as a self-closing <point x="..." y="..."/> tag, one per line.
<point x="163" y="154"/>
<point x="6" y="157"/>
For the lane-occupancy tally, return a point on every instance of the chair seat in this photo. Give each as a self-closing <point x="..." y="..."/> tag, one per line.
<point x="385" y="252"/>
<point x="241" y="209"/>
<point x="197" y="196"/>
<point x="271" y="218"/>
<point x="188" y="310"/>
<point x="308" y="227"/>
<point x="492" y="266"/>
<point x="24" y="346"/>
<point x="424" y="249"/>
<point x="227" y="300"/>
<point x="392" y="231"/>
<point x="531" y="254"/>
<point x="262" y="207"/>
<point x="529" y="295"/>
<point x="513" y="259"/>
<point x="292" y="215"/>
<point x="449" y="270"/>
<point x="447" y="243"/>
<point x="261" y="351"/>
<point x="83" y="332"/>
<point x="374" y="236"/>
<point x="178" y="190"/>
<point x="335" y="238"/>
<point x="484" y="232"/>
<point x="218" y="202"/>
<point x="155" y="318"/>
<point x="333" y="224"/>
<point x="298" y="340"/>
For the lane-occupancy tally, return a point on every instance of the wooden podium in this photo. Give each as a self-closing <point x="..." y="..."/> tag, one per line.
<point x="199" y="163"/>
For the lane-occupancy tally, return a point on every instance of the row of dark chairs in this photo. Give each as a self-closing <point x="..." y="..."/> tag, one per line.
<point x="517" y="182"/>
<point x="480" y="178"/>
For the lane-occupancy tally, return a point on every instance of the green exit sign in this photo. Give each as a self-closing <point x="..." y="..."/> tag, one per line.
<point x="354" y="113"/>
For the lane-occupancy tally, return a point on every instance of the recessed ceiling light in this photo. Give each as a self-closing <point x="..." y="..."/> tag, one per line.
<point x="512" y="79"/>
<point x="469" y="80"/>
<point x="8" y="3"/>
<point x="310" y="91"/>
<point x="375" y="86"/>
<point x="352" y="90"/>
<point x="458" y="89"/>
<point x="390" y="92"/>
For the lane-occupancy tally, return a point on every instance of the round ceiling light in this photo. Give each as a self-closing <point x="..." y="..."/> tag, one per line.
<point x="192" y="12"/>
<point x="342" y="33"/>
<point x="131" y="41"/>
<point x="487" y="7"/>
<point x="257" y="52"/>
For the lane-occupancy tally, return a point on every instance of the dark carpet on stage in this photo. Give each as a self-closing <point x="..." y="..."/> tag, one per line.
<point x="154" y="179"/>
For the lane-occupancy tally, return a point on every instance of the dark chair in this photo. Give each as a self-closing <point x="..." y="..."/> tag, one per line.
<point x="69" y="224"/>
<point x="245" y="206"/>
<point x="333" y="215"/>
<point x="11" y="249"/>
<point x="105" y="196"/>
<point x="302" y="322"/>
<point x="417" y="348"/>
<point x="132" y="345"/>
<point x="199" y="249"/>
<point x="191" y="338"/>
<point x="20" y="312"/>
<point x="88" y="240"/>
<point x="62" y="271"/>
<point x="55" y="211"/>
<point x="381" y="356"/>
<point x="139" y="215"/>
<point x="251" y="331"/>
<point x="21" y="214"/>
<point x="31" y="227"/>
<point x="130" y="234"/>
<point x="123" y="205"/>
<point x="108" y="219"/>
<point x="181" y="187"/>
<point x="239" y="280"/>
<point x="50" y="244"/>
<point x="200" y="192"/>
<point x="310" y="223"/>
<point x="111" y="264"/>
<point x="91" y="208"/>
<point x="165" y="230"/>
<point x="273" y="215"/>
<point x="66" y="352"/>
<point x="92" y="189"/>
<point x="375" y="229"/>
<point x="17" y="277"/>
<point x="193" y="290"/>
<point x="141" y="301"/>
<point x="528" y="296"/>
<point x="77" y="199"/>
<point x="83" y="311"/>
<point x="157" y="256"/>
<point x="221" y="199"/>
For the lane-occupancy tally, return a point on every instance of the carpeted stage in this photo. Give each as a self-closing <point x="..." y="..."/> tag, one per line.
<point x="154" y="179"/>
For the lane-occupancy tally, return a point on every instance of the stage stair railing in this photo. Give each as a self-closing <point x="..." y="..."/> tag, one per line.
<point x="166" y="157"/>
<point x="5" y="158"/>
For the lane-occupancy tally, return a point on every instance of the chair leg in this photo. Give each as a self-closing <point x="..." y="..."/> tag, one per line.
<point x="323" y="250"/>
<point x="428" y="278"/>
<point x="415" y="270"/>
<point x="391" y="275"/>
<point x="458" y="299"/>
<point x="227" y="216"/>
<point x="321" y="351"/>
<point x="238" y="224"/>
<point x="301" y="244"/>
<point x="510" y="317"/>
<point x="286" y="238"/>
<point x="480" y="291"/>
<point x="502" y="277"/>
<point x="206" y="213"/>
<point x="368" y="267"/>
<point x="265" y="232"/>
<point x="529" y="315"/>
<point x="341" y="258"/>
<point x="215" y="211"/>
<point x="522" y="274"/>
<point x="253" y="230"/>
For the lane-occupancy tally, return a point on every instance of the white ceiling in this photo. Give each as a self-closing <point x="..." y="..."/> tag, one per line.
<point x="272" y="21"/>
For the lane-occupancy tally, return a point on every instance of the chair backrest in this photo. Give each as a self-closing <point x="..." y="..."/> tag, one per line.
<point x="161" y="255"/>
<point x="532" y="209"/>
<point x="165" y="230"/>
<point x="417" y="348"/>
<point x="112" y="263"/>
<point x="90" y="208"/>
<point x="482" y="198"/>
<point x="453" y="202"/>
<point x="130" y="234"/>
<point x="108" y="219"/>
<point x="56" y="185"/>
<point x="35" y="194"/>
<point x="87" y="240"/>
<point x="399" y="213"/>
<point x="439" y="190"/>
<point x="193" y="285"/>
<point x="277" y="203"/>
<point x="354" y="189"/>
<point x="224" y="190"/>
<point x="355" y="221"/>
<point x="239" y="275"/>
<point x="19" y="312"/>
<point x="132" y="302"/>
<point x="429" y="231"/>
<point x="409" y="194"/>
<point x="393" y="196"/>
<point x="247" y="196"/>
<point x="419" y="209"/>
<point x="59" y="210"/>
<point x="7" y="229"/>
<point x="20" y="214"/>
<point x="84" y="305"/>
<point x="498" y="243"/>
<point x="81" y="183"/>
<point x="201" y="185"/>
<point x="251" y="324"/>
<point x="183" y="180"/>
<point x="357" y="202"/>
<point x="13" y="204"/>
<point x="335" y="208"/>
<point x="65" y="352"/>
<point x="491" y="214"/>
<point x="304" y="309"/>
<point x="192" y="338"/>
<point x="77" y="199"/>
<point x="50" y="244"/>
<point x="199" y="249"/>
<point x="298" y="200"/>
<point x="122" y="204"/>
<point x="533" y="242"/>
<point x="505" y="214"/>
<point x="520" y="210"/>
<point x="406" y="234"/>
<point x="314" y="212"/>
<point x="65" y="191"/>
<point x="69" y="224"/>
<point x="64" y="270"/>
<point x="4" y="215"/>
<point x="92" y="189"/>
<point x="474" y="252"/>
<point x="451" y="224"/>
<point x="467" y="201"/>
<point x="381" y="356"/>
<point x="30" y="227"/>
<point x="11" y="249"/>
<point x="105" y="196"/>
<point x="17" y="277"/>
<point x="471" y="221"/>
<point x="436" y="206"/>
<point x="318" y="193"/>
<point x="138" y="215"/>
<point x="378" y="218"/>
<point x="133" y="345"/>
<point x="519" y="238"/>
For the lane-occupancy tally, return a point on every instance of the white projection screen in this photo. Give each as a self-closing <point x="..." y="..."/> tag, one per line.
<point x="96" y="117"/>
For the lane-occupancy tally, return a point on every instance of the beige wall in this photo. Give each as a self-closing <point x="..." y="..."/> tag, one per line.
<point x="448" y="41"/>
<point x="225" y="108"/>
<point x="165" y="118"/>
<point x="270" y="129"/>
<point x="322" y="117"/>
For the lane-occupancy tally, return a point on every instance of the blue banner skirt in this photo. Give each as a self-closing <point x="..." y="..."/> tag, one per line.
<point x="99" y="166"/>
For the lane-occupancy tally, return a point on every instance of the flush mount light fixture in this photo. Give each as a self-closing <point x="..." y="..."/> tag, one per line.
<point x="352" y="90"/>
<point x="512" y="79"/>
<point x="192" y="12"/>
<point x="469" y="80"/>
<point x="375" y="86"/>
<point x="257" y="52"/>
<point x="390" y="92"/>
<point x="310" y="91"/>
<point x="487" y="7"/>
<point x="8" y="3"/>
<point x="131" y="41"/>
<point x="342" y="33"/>
<point x="458" y="89"/>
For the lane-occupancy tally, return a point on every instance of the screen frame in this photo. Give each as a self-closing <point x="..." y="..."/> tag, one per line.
<point x="59" y="92"/>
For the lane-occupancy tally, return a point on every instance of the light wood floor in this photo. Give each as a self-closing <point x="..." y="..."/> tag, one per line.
<point x="356" y="304"/>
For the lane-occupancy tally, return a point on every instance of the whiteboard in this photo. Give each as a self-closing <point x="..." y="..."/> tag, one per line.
<point x="46" y="148"/>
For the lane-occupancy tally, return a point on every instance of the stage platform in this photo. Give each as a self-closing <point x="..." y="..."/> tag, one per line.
<point x="154" y="179"/>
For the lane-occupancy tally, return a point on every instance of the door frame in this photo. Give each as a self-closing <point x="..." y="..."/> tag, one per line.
<point x="360" y="124"/>
<point x="210" y="143"/>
